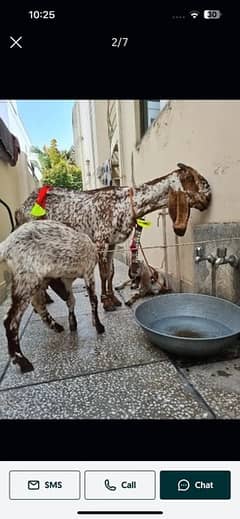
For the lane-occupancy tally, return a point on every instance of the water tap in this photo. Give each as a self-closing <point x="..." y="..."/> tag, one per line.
<point x="199" y="256"/>
<point x="223" y="259"/>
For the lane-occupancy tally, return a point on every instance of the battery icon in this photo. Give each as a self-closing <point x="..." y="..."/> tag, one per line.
<point x="212" y="14"/>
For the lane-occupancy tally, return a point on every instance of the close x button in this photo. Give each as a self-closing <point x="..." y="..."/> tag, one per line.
<point x="192" y="484"/>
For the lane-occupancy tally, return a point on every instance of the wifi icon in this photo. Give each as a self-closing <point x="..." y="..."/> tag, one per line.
<point x="194" y="14"/>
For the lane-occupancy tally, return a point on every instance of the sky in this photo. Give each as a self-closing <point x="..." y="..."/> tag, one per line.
<point x="46" y="120"/>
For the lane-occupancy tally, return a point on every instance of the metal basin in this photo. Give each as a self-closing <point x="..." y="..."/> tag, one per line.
<point x="191" y="325"/>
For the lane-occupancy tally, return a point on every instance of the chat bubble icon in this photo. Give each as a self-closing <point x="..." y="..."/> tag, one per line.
<point x="183" y="485"/>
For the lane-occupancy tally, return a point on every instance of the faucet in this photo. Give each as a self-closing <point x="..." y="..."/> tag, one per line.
<point x="223" y="259"/>
<point x="220" y="259"/>
<point x="200" y="256"/>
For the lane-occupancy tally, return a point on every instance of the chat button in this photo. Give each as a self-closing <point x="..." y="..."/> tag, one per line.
<point x="195" y="484"/>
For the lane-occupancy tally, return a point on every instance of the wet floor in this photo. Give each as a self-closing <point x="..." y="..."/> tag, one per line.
<point x="118" y="375"/>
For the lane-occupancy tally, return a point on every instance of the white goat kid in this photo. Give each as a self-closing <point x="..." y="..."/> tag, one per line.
<point x="36" y="252"/>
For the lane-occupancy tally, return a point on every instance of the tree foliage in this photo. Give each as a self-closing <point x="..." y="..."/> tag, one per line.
<point x="58" y="167"/>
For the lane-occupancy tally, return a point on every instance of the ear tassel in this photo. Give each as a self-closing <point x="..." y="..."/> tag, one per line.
<point x="37" y="210"/>
<point x="143" y="223"/>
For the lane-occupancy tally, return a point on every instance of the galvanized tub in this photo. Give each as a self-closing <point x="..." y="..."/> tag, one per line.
<point x="191" y="325"/>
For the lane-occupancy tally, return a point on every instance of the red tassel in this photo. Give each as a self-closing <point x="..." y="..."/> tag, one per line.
<point x="41" y="199"/>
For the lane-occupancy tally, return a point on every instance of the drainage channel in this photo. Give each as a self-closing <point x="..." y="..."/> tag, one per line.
<point x="193" y="390"/>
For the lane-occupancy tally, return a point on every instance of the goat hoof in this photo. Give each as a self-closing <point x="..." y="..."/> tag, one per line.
<point x="108" y="303"/>
<point x="72" y="322"/>
<point x="27" y="367"/>
<point x="100" y="328"/>
<point x="116" y="301"/>
<point x="24" y="364"/>
<point x="73" y="326"/>
<point x="48" y="299"/>
<point x="109" y="307"/>
<point x="58" y="328"/>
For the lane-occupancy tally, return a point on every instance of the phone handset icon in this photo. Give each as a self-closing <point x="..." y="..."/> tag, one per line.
<point x="108" y="486"/>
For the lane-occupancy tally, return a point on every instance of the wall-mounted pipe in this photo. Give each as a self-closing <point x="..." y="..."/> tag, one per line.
<point x="9" y="214"/>
<point x="221" y="258"/>
<point x="163" y="213"/>
<point x="178" y="264"/>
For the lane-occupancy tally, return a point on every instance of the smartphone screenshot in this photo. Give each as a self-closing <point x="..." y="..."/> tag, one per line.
<point x="119" y="262"/>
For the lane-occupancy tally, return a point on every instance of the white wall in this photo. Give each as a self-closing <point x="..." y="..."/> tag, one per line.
<point x="9" y="114"/>
<point x="90" y="138"/>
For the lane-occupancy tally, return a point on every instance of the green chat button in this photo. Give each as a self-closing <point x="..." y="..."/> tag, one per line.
<point x="193" y="484"/>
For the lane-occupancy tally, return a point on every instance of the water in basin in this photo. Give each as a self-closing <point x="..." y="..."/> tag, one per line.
<point x="190" y="327"/>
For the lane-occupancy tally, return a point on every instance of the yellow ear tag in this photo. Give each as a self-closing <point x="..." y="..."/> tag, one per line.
<point x="144" y="223"/>
<point x="37" y="210"/>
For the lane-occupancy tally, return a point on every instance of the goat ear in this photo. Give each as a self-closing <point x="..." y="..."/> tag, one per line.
<point x="179" y="211"/>
<point x="172" y="204"/>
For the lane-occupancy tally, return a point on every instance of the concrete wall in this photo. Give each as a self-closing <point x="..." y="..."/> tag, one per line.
<point x="203" y="134"/>
<point x="16" y="184"/>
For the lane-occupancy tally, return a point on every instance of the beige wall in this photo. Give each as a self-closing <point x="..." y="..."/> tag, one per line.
<point x="203" y="134"/>
<point x="16" y="184"/>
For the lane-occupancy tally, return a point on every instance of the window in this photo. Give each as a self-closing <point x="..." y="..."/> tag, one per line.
<point x="149" y="110"/>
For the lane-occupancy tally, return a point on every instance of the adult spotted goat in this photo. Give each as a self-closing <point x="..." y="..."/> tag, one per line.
<point x="109" y="214"/>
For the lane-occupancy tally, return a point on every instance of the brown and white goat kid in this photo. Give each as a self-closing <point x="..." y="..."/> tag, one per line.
<point x="36" y="252"/>
<point x="147" y="280"/>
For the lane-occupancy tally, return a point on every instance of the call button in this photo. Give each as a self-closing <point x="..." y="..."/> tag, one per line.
<point x="193" y="484"/>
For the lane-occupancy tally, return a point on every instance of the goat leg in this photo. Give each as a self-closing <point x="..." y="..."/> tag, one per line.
<point x="39" y="305"/>
<point x="111" y="294"/>
<point x="133" y="299"/>
<point x="71" y="304"/>
<point x="48" y="298"/>
<point x="123" y="285"/>
<point x="12" y="323"/>
<point x="90" y="285"/>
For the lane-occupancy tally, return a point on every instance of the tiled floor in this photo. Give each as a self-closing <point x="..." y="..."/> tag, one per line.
<point x="119" y="374"/>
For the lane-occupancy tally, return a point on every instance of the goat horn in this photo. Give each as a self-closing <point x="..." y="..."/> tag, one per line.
<point x="132" y="172"/>
<point x="182" y="166"/>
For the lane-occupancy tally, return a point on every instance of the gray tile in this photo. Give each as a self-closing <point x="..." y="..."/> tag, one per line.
<point x="219" y="385"/>
<point x="148" y="392"/>
<point x="56" y="356"/>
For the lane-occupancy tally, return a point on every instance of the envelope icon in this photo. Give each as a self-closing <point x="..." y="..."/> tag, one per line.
<point x="33" y="484"/>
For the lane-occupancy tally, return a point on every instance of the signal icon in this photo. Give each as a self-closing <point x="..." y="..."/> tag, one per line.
<point x="194" y="14"/>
